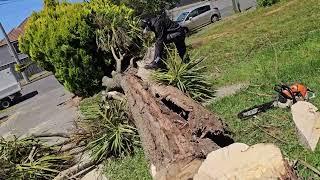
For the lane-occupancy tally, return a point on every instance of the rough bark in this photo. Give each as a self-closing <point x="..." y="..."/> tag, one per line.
<point x="171" y="125"/>
<point x="174" y="129"/>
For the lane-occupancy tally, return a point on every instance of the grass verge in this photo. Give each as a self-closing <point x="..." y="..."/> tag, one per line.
<point x="263" y="48"/>
<point x="132" y="166"/>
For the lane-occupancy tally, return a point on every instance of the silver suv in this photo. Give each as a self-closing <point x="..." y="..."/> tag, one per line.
<point x="198" y="16"/>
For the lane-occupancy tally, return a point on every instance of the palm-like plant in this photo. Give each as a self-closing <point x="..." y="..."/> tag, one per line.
<point x="29" y="158"/>
<point x="112" y="132"/>
<point x="188" y="77"/>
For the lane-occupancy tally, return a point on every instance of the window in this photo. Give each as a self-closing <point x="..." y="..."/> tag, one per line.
<point x="204" y="9"/>
<point x="182" y="16"/>
<point x="199" y="11"/>
<point x="193" y="13"/>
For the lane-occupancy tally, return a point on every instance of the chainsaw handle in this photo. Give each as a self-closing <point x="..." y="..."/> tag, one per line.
<point x="281" y="88"/>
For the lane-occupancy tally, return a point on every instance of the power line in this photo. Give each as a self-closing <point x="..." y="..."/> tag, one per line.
<point x="4" y="2"/>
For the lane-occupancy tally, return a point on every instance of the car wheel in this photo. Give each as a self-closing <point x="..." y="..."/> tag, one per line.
<point x="214" y="18"/>
<point x="5" y="103"/>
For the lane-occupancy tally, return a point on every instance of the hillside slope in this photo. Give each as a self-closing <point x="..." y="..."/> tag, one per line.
<point x="263" y="48"/>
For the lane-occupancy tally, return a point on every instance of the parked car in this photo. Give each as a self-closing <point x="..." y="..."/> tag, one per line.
<point x="9" y="88"/>
<point x="199" y="16"/>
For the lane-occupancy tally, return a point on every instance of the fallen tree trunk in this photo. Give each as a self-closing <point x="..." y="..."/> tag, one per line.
<point x="171" y="125"/>
<point x="174" y="129"/>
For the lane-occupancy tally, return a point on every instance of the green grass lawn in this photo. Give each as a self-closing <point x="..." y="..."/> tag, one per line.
<point x="134" y="167"/>
<point x="263" y="48"/>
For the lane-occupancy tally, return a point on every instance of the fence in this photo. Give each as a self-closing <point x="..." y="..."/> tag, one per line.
<point x="31" y="70"/>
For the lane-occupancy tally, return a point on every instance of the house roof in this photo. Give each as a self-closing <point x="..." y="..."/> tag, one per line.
<point x="5" y="56"/>
<point x="15" y="33"/>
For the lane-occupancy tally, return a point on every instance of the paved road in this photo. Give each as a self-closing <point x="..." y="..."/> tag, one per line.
<point x="41" y="111"/>
<point x="226" y="8"/>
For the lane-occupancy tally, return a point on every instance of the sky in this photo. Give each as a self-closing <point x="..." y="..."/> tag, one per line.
<point x="13" y="12"/>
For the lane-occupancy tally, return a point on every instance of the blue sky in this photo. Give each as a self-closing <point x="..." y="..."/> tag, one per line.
<point x="13" y="12"/>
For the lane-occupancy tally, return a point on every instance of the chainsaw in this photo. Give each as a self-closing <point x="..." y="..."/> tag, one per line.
<point x="287" y="96"/>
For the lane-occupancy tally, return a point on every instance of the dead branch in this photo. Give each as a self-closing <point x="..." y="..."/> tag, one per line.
<point x="315" y="170"/>
<point x="72" y="147"/>
<point x="118" y="59"/>
<point x="113" y="95"/>
<point x="31" y="154"/>
<point x="45" y="135"/>
<point x="83" y="172"/>
<point x="63" y="143"/>
<point x="132" y="61"/>
<point x="256" y="125"/>
<point x="66" y="174"/>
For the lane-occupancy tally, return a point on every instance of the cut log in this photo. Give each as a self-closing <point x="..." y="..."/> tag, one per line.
<point x="239" y="161"/>
<point x="307" y="120"/>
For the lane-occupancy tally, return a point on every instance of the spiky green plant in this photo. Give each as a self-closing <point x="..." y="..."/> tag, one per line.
<point x="29" y="158"/>
<point x="189" y="77"/>
<point x="112" y="133"/>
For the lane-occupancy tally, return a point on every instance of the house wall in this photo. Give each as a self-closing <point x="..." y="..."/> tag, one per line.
<point x="7" y="60"/>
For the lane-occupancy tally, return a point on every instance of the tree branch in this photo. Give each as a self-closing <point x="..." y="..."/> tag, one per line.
<point x="118" y="59"/>
<point x="64" y="175"/>
<point x="63" y="135"/>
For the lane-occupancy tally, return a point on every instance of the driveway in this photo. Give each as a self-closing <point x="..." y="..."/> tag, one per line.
<point x="42" y="110"/>
<point x="226" y="8"/>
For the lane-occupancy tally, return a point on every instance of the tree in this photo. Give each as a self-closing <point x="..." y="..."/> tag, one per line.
<point x="76" y="41"/>
<point x="144" y="8"/>
<point x="50" y="3"/>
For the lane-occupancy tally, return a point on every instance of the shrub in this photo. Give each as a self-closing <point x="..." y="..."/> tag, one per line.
<point x="188" y="77"/>
<point x="73" y="41"/>
<point x="61" y="40"/>
<point x="111" y="131"/>
<point x="265" y="3"/>
<point x="144" y="8"/>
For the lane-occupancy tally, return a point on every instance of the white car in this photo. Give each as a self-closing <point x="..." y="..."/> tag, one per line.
<point x="198" y="16"/>
<point x="9" y="88"/>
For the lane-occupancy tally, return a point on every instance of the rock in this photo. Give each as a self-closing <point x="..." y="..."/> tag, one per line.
<point x="307" y="120"/>
<point x="95" y="174"/>
<point x="239" y="161"/>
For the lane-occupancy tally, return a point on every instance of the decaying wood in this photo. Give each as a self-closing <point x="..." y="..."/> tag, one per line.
<point x="171" y="125"/>
<point x="113" y="95"/>
<point x="240" y="161"/>
<point x="45" y="135"/>
<point x="83" y="165"/>
<point x="174" y="129"/>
